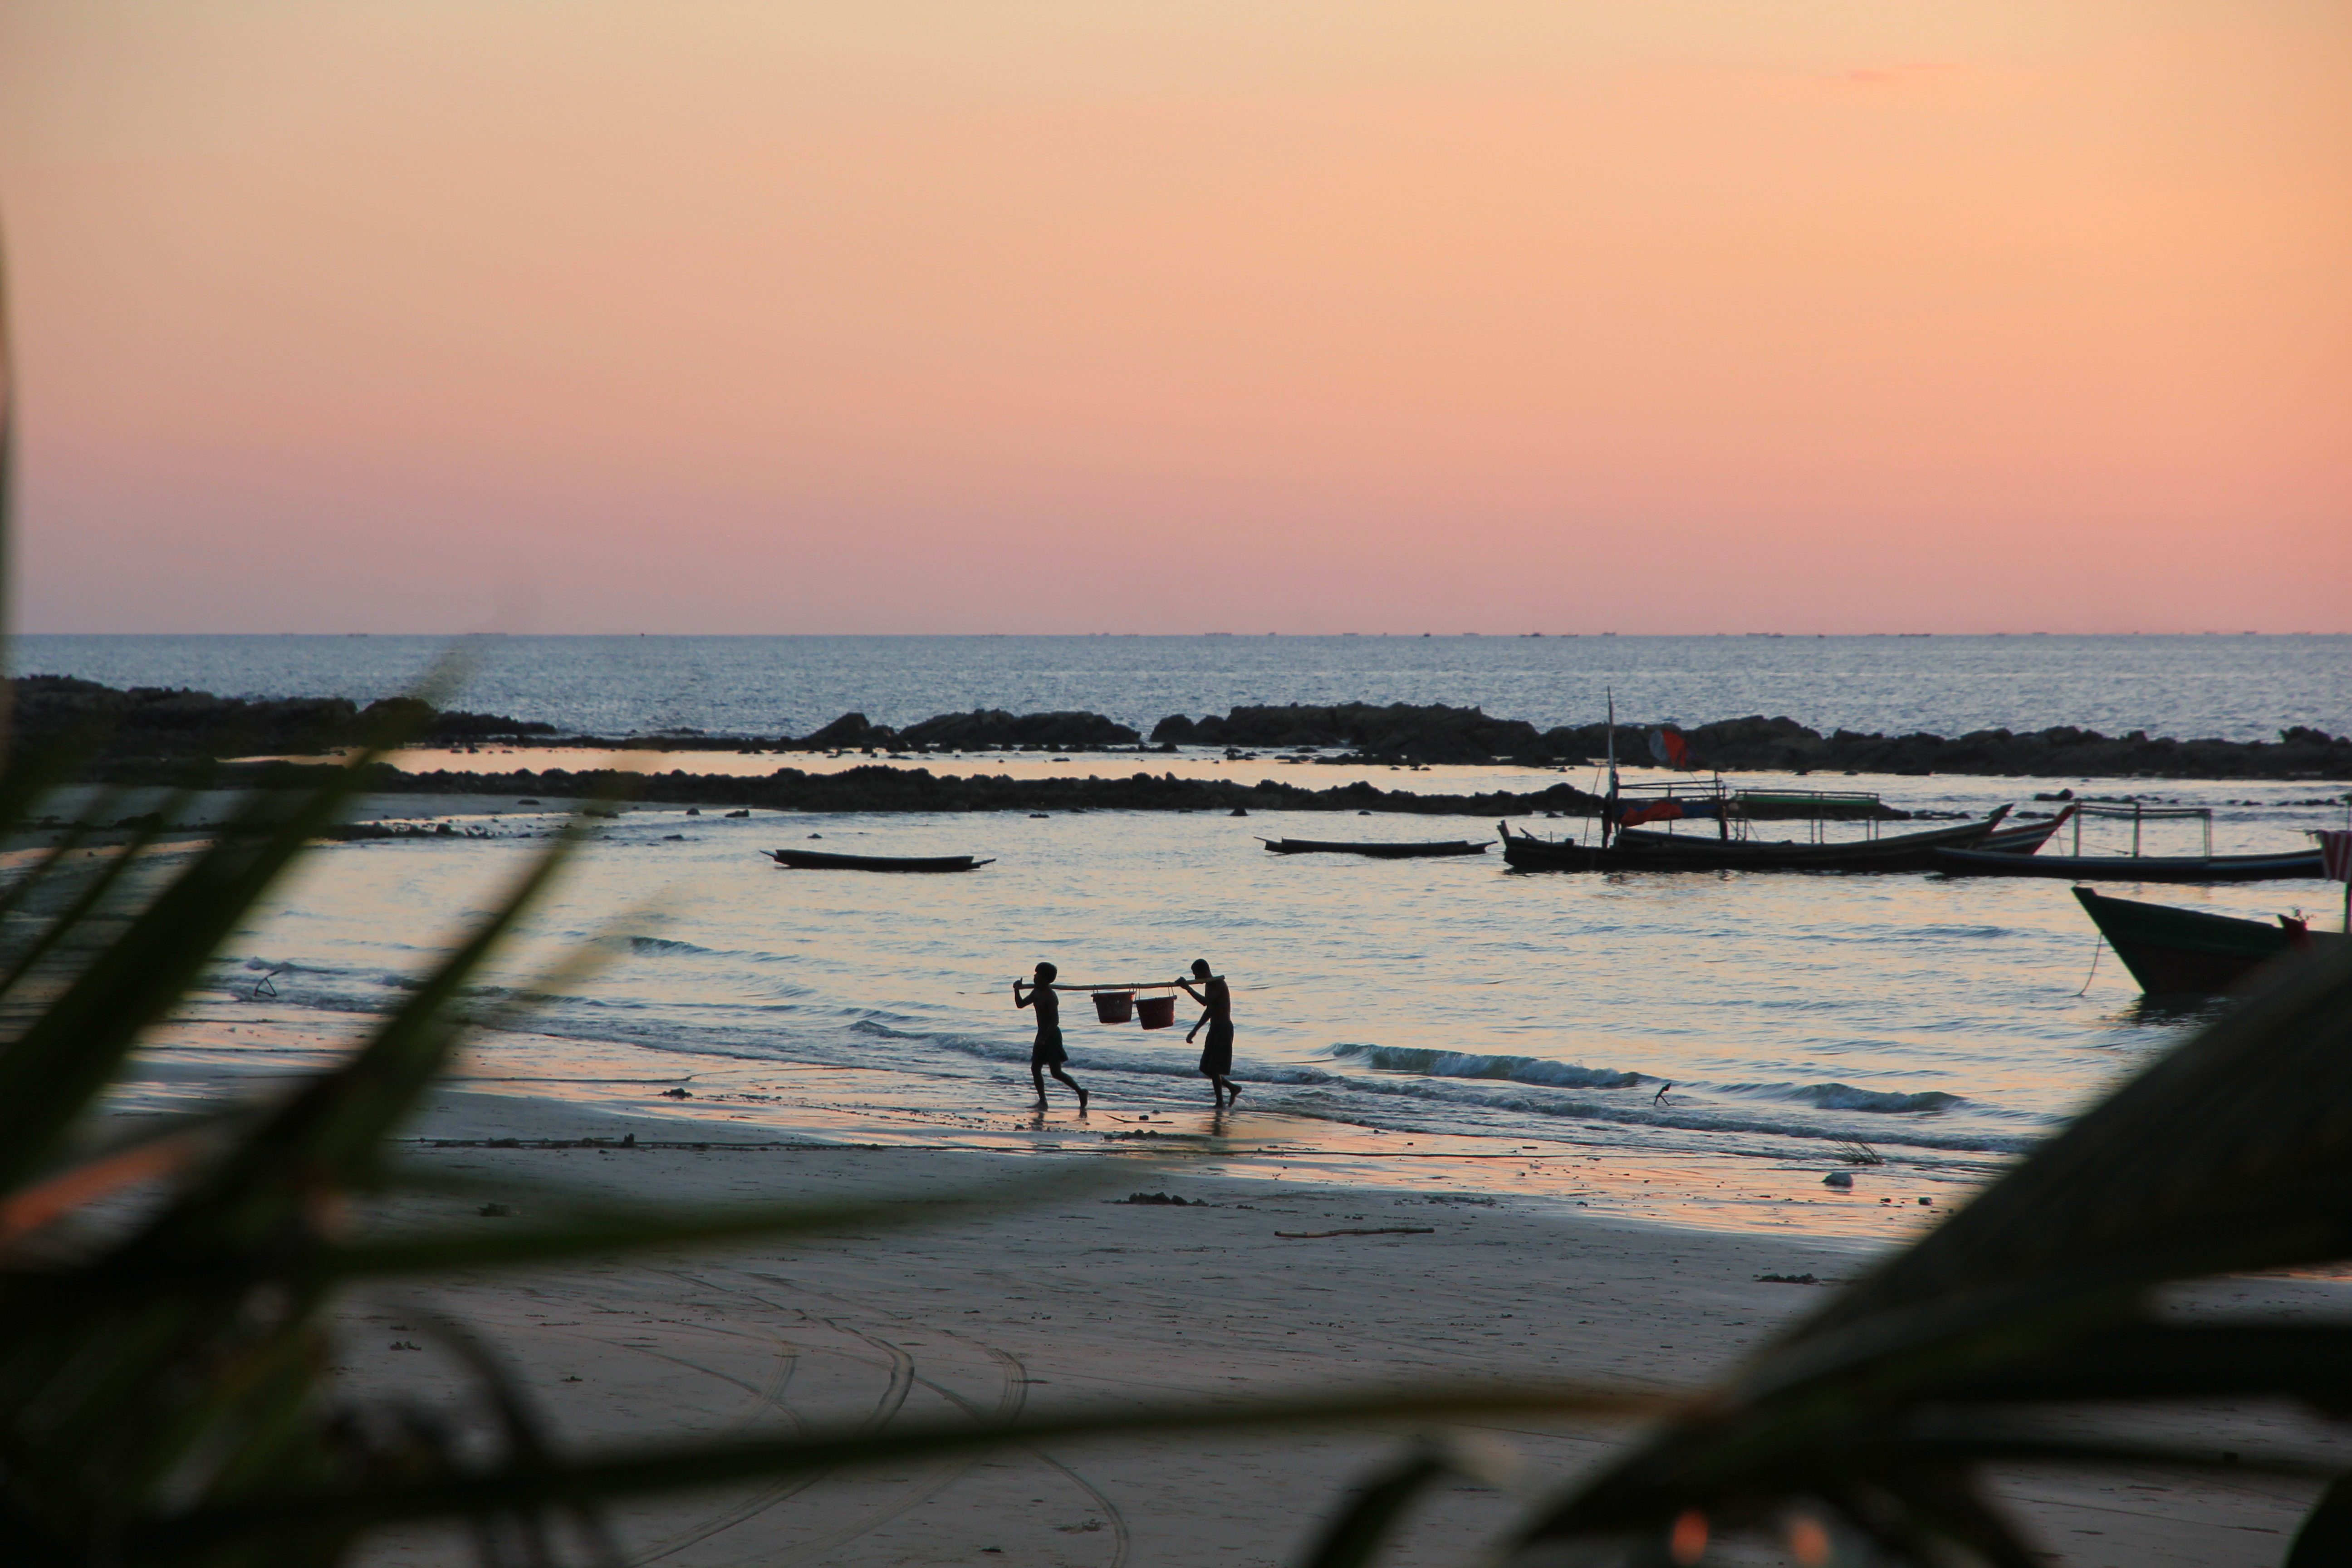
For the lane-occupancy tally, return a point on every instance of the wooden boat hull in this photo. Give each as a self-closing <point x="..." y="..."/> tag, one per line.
<point x="2025" y="840"/>
<point x="1378" y="851"/>
<point x="2187" y="952"/>
<point x="1636" y="850"/>
<point x="1966" y="862"/>
<point x="817" y="860"/>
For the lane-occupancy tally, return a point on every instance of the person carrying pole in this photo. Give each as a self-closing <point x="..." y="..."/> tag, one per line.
<point x="1047" y="1055"/>
<point x="1217" y="1055"/>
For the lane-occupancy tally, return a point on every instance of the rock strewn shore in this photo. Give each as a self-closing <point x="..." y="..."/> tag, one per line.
<point x="151" y="723"/>
<point x="1436" y="733"/>
<point x="890" y="789"/>
<point x="148" y="726"/>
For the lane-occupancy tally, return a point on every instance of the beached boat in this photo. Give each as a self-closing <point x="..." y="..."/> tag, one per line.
<point x="1635" y="849"/>
<point x="2189" y="952"/>
<point x="817" y="860"/>
<point x="1380" y="851"/>
<point x="1973" y="861"/>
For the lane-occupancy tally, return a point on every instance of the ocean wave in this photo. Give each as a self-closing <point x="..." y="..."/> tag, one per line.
<point x="1471" y="1063"/>
<point x="668" y="947"/>
<point x="1846" y="1097"/>
<point x="659" y="944"/>
<point x="287" y="966"/>
<point x="1683" y="1118"/>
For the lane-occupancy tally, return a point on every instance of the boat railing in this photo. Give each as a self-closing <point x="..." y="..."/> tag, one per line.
<point x="1631" y="796"/>
<point x="1814" y="806"/>
<point x="2138" y="815"/>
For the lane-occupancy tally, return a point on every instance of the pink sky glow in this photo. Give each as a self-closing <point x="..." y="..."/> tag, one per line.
<point x="1052" y="315"/>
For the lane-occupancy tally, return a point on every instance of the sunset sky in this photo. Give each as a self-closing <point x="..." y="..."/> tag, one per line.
<point x="1181" y="315"/>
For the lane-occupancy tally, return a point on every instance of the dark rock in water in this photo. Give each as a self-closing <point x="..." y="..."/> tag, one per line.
<point x="850" y="732"/>
<point x="1431" y="732"/>
<point x="994" y="727"/>
<point x="156" y="724"/>
<point x="1156" y="1199"/>
<point x="1782" y="745"/>
<point x="1838" y="1179"/>
<point x="1238" y="811"/>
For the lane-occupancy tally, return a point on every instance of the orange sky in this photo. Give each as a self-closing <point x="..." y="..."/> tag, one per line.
<point x="1055" y="315"/>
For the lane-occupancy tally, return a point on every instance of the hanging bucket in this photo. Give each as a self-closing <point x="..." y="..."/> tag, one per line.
<point x="1156" y="1012"/>
<point x="1114" y="1006"/>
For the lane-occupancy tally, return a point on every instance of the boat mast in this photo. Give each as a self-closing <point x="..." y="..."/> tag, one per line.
<point x="1609" y="809"/>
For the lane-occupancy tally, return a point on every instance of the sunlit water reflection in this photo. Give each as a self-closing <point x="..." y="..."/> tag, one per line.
<point x="1518" y="1031"/>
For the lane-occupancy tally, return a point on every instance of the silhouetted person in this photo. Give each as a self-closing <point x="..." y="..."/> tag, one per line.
<point x="1047" y="1055"/>
<point x="1217" y="1055"/>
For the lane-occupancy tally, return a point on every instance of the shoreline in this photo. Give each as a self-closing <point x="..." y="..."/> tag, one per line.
<point x="765" y="1106"/>
<point x="1252" y="1288"/>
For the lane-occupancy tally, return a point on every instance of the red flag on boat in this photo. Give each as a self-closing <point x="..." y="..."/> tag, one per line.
<point x="1672" y="750"/>
<point x="2335" y="853"/>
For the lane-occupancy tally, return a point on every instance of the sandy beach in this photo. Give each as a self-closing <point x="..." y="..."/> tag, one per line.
<point x="1096" y="1301"/>
<point x="1253" y="1286"/>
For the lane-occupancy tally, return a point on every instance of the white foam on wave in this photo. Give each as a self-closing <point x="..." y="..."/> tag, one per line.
<point x="1473" y="1064"/>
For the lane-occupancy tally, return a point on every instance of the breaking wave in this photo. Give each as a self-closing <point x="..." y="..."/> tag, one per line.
<point x="1846" y="1097"/>
<point x="1467" y="1064"/>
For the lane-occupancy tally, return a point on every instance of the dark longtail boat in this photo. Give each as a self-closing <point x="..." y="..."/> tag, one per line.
<point x="1965" y="861"/>
<point x="1379" y="851"/>
<point x="2187" y="952"/>
<point x="1626" y="845"/>
<point x="1635" y="850"/>
<point x="817" y="860"/>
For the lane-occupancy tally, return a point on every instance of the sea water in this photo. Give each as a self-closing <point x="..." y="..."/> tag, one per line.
<point x="1947" y="1024"/>
<point x="2237" y="687"/>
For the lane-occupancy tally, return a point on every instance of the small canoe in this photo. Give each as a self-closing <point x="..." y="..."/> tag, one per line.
<point x="2296" y="863"/>
<point x="2188" y="953"/>
<point x="1379" y="851"/>
<point x="817" y="860"/>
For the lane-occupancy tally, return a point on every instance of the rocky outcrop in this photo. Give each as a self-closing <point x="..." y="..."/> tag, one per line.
<point x="1438" y="733"/>
<point x="879" y="788"/>
<point x="145" y="732"/>
<point x="993" y="727"/>
<point x="1399" y="733"/>
<point x="850" y="732"/>
<point x="164" y="724"/>
<point x="1783" y="745"/>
